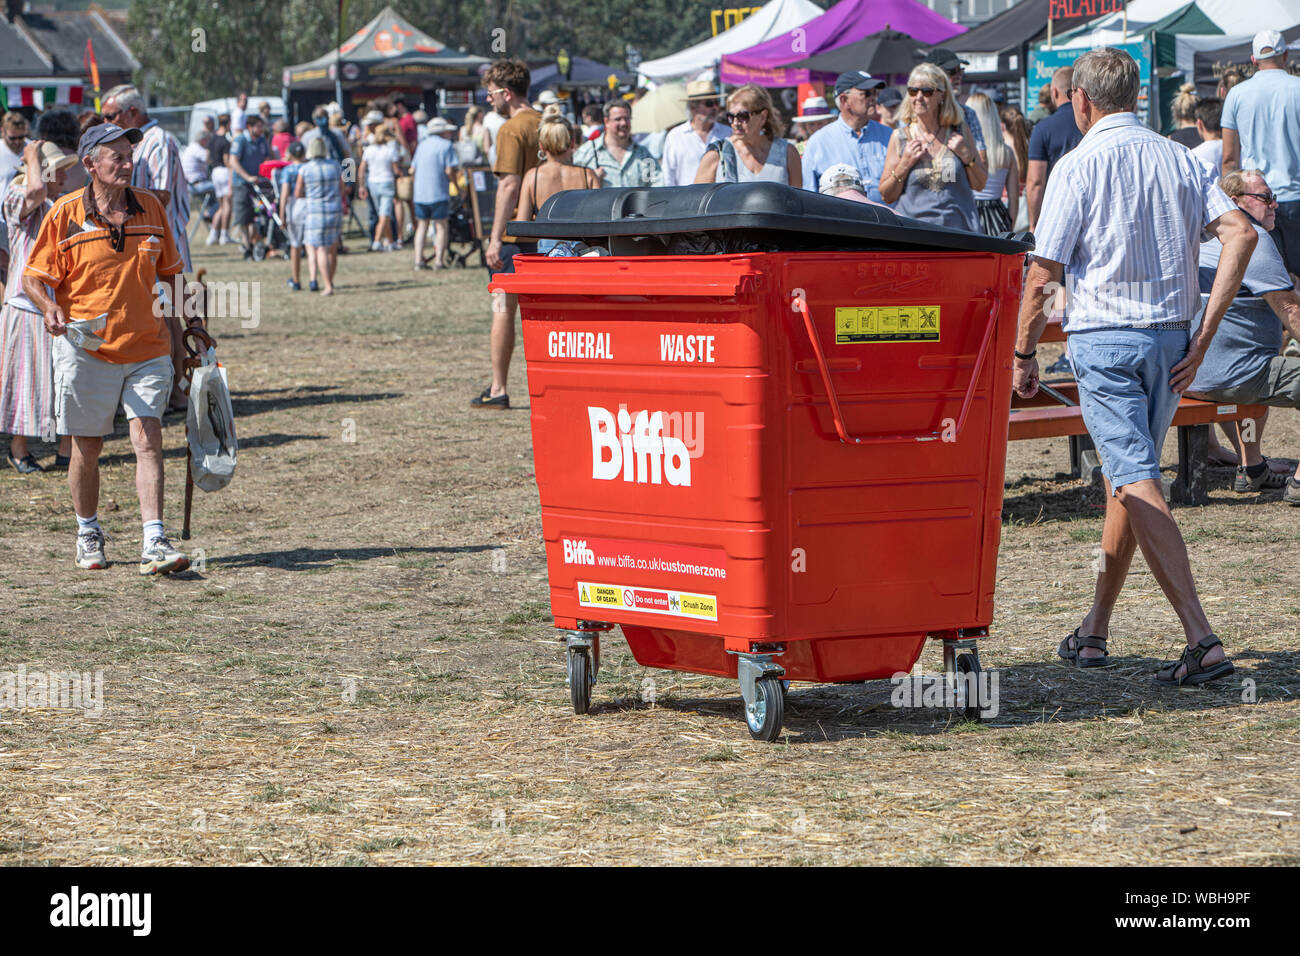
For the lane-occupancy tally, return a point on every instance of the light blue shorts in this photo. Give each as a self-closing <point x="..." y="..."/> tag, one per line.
<point x="383" y="194"/>
<point x="1124" y="392"/>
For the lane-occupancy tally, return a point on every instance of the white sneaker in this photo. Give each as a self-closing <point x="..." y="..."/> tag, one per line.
<point x="90" y="550"/>
<point x="225" y="239"/>
<point x="377" y="246"/>
<point x="213" y="236"/>
<point x="159" y="557"/>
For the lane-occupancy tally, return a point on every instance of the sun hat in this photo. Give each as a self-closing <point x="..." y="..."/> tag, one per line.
<point x="702" y="90"/>
<point x="814" y="108"/>
<point x="52" y="160"/>
<point x="439" y="125"/>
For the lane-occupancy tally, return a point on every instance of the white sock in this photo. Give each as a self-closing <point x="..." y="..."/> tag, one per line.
<point x="88" y="524"/>
<point x="153" y="530"/>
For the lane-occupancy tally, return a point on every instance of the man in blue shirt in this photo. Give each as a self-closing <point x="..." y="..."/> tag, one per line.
<point x="433" y="165"/>
<point x="248" y="152"/>
<point x="1051" y="139"/>
<point x="1261" y="130"/>
<point x="1242" y="364"/>
<point x="855" y="138"/>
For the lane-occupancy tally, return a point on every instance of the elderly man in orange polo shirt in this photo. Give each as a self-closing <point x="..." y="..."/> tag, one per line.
<point x="101" y="250"/>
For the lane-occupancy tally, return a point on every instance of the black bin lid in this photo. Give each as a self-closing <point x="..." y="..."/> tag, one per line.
<point x="796" y="216"/>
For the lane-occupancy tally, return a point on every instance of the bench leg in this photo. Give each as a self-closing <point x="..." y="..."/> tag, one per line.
<point x="1083" y="456"/>
<point x="1192" y="484"/>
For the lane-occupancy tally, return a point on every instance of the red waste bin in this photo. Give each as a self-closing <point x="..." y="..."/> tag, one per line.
<point x="776" y="465"/>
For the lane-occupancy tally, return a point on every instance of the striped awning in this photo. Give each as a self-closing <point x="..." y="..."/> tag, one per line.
<point x="41" y="96"/>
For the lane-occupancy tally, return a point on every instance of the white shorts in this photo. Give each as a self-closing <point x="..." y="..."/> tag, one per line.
<point x="88" y="390"/>
<point x="221" y="181"/>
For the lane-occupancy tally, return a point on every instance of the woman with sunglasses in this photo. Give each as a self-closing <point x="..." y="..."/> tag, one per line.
<point x="755" y="150"/>
<point x="932" y="168"/>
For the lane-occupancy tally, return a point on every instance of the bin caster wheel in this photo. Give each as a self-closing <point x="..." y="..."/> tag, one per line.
<point x="969" y="707"/>
<point x="580" y="680"/>
<point x="766" y="712"/>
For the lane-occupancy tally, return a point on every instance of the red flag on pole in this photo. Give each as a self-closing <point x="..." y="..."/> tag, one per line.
<point x="93" y="66"/>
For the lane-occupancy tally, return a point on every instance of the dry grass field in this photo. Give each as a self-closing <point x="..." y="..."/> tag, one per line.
<point x="364" y="671"/>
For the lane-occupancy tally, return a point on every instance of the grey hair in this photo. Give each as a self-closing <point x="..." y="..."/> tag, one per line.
<point x="611" y="105"/>
<point x="1110" y="78"/>
<point x="126" y="96"/>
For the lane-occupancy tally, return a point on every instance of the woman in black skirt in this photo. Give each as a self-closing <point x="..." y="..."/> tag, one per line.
<point x="995" y="217"/>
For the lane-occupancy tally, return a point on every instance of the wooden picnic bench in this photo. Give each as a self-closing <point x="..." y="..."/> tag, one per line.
<point x="1045" y="417"/>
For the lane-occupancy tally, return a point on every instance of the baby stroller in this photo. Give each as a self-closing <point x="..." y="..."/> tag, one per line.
<point x="267" y="220"/>
<point x="460" y="233"/>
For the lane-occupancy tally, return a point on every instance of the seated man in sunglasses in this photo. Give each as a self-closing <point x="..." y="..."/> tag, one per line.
<point x="1242" y="364"/>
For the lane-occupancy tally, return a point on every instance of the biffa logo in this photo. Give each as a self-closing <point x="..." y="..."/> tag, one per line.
<point x="638" y="449"/>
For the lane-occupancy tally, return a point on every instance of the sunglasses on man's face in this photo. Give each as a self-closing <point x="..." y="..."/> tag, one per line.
<point x="111" y="117"/>
<point x="1266" y="198"/>
<point x="706" y="104"/>
<point x="926" y="91"/>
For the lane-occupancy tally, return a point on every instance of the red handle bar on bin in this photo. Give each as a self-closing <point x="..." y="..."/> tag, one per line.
<point x="838" y="416"/>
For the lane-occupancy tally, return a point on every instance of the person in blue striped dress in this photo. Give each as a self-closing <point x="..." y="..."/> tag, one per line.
<point x="319" y="207"/>
<point x="1117" y="247"/>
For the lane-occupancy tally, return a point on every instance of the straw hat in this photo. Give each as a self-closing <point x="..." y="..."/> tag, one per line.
<point x="814" y="108"/>
<point x="439" y="125"/>
<point x="702" y="90"/>
<point x="52" y="160"/>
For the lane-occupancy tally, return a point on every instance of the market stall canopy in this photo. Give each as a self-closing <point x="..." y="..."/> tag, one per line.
<point x="773" y="19"/>
<point x="1171" y="17"/>
<point x="1205" y="58"/>
<point x="881" y="54"/>
<point x="1026" y="22"/>
<point x="583" y="74"/>
<point x="388" y="50"/>
<point x="768" y="63"/>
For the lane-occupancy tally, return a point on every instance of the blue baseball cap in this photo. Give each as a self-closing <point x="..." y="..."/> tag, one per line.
<point x="856" y="80"/>
<point x="105" y="133"/>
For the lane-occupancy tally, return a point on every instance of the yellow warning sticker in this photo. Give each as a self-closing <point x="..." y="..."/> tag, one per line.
<point x="649" y="600"/>
<point x="886" y="323"/>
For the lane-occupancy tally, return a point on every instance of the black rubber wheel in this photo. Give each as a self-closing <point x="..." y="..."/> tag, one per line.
<point x="765" y="716"/>
<point x="969" y="664"/>
<point x="580" y="680"/>
<point x="259" y="252"/>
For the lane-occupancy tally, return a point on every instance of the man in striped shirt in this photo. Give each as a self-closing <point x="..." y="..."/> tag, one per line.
<point x="1117" y="246"/>
<point x="157" y="166"/>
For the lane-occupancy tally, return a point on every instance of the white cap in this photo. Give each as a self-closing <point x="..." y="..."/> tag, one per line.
<point x="439" y="125"/>
<point x="1268" y="43"/>
<point x="839" y="176"/>
<point x="548" y="97"/>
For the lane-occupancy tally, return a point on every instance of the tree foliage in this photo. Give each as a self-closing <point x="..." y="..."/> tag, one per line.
<point x="199" y="49"/>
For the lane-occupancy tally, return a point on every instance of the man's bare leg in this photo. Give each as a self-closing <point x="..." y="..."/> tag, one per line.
<point x="1166" y="554"/>
<point x="83" y="474"/>
<point x="1117" y="546"/>
<point x="146" y="439"/>
<point x="503" y="342"/>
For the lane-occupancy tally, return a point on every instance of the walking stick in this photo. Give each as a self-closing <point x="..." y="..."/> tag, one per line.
<point x="196" y="340"/>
